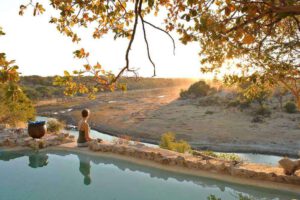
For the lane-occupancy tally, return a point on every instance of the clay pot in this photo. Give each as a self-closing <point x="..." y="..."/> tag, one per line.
<point x="37" y="129"/>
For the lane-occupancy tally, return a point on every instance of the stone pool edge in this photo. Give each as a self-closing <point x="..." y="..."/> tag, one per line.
<point x="72" y="148"/>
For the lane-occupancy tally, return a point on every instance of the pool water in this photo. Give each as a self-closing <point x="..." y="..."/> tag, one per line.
<point x="61" y="176"/>
<point x="260" y="158"/>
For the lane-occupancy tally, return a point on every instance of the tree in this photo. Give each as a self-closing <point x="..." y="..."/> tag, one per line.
<point x="262" y="37"/>
<point x="279" y="94"/>
<point x="14" y="104"/>
<point x="257" y="93"/>
<point x="8" y="71"/>
<point x="120" y="17"/>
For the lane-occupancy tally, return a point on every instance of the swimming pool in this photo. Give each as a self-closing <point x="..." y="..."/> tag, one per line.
<point x="61" y="175"/>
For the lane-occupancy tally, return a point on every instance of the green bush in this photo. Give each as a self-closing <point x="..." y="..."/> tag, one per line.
<point x="290" y="107"/>
<point x="234" y="103"/>
<point x="210" y="153"/>
<point x="168" y="141"/>
<point x="227" y="156"/>
<point x="224" y="156"/>
<point x="209" y="112"/>
<point x="183" y="94"/>
<point x="242" y="104"/>
<point x="210" y="101"/>
<point x="198" y="89"/>
<point x="257" y="119"/>
<point x="263" y="111"/>
<point x="54" y="126"/>
<point x="181" y="146"/>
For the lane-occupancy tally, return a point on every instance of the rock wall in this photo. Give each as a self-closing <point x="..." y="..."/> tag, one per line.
<point x="166" y="157"/>
<point x="20" y="137"/>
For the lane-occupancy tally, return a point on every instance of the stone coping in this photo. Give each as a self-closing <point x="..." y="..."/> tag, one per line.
<point x="242" y="173"/>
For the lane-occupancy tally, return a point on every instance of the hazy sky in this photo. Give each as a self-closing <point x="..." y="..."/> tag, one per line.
<point x="39" y="49"/>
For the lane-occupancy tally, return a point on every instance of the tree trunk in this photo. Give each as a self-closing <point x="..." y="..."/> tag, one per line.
<point x="298" y="103"/>
<point x="280" y="102"/>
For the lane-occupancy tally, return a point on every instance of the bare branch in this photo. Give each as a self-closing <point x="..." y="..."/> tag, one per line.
<point x="173" y="41"/>
<point x="147" y="45"/>
<point x="137" y="7"/>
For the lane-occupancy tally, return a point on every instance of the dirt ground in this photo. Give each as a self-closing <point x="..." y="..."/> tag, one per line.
<point x="147" y="114"/>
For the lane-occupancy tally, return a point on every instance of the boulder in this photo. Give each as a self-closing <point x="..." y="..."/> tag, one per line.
<point x="289" y="166"/>
<point x="72" y="137"/>
<point x="60" y="136"/>
<point x="93" y="145"/>
<point x="180" y="161"/>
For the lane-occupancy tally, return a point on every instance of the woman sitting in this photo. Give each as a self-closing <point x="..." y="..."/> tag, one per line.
<point x="84" y="129"/>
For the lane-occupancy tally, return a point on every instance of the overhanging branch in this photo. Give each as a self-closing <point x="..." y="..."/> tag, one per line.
<point x="137" y="8"/>
<point x="147" y="45"/>
<point x="173" y="41"/>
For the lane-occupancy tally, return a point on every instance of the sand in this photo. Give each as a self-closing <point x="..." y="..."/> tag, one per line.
<point x="147" y="114"/>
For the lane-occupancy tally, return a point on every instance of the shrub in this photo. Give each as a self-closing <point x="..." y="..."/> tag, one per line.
<point x="229" y="156"/>
<point x="54" y="126"/>
<point x="198" y="89"/>
<point x="210" y="101"/>
<point x="209" y="112"/>
<point x="183" y="94"/>
<point x="210" y="153"/>
<point x="181" y="146"/>
<point x="242" y="104"/>
<point x="263" y="111"/>
<point x="257" y="119"/>
<point x="290" y="107"/>
<point x="234" y="103"/>
<point x="224" y="156"/>
<point x="168" y="141"/>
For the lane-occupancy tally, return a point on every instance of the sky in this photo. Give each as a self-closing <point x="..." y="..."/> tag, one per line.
<point x="39" y="49"/>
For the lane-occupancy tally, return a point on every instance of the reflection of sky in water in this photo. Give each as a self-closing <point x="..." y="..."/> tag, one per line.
<point x="60" y="175"/>
<point x="249" y="157"/>
<point x="259" y="158"/>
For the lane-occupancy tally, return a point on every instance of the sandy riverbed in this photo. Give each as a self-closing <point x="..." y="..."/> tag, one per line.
<point x="147" y="114"/>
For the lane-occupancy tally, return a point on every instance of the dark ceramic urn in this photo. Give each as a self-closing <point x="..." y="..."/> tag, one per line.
<point x="37" y="129"/>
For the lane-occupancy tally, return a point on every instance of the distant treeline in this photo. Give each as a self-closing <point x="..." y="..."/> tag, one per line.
<point x="38" y="87"/>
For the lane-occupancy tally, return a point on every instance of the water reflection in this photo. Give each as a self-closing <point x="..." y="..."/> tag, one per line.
<point x="85" y="168"/>
<point x="35" y="159"/>
<point x="38" y="160"/>
<point x="87" y="163"/>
